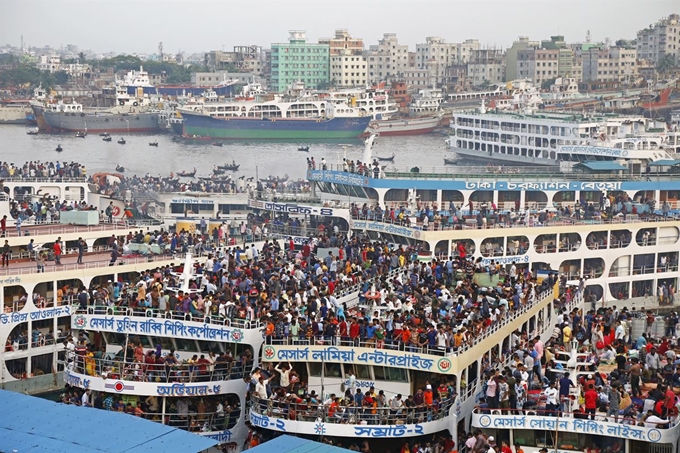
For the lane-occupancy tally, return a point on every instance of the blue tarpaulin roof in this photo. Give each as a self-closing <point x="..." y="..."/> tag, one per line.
<point x="604" y="166"/>
<point x="31" y="424"/>
<point x="664" y="163"/>
<point x="290" y="444"/>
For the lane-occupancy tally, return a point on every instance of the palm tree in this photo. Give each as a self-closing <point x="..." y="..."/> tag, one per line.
<point x="81" y="57"/>
<point x="666" y="63"/>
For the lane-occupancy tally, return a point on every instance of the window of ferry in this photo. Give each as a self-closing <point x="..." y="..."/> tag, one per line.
<point x="333" y="370"/>
<point x="42" y="364"/>
<point x="361" y="371"/>
<point x="165" y="342"/>
<point x="390" y="374"/>
<point x="314" y="369"/>
<point x="185" y="345"/>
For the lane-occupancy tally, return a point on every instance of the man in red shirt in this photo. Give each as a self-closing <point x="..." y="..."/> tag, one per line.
<point x="3" y="226"/>
<point x="57" y="251"/>
<point x="591" y="401"/>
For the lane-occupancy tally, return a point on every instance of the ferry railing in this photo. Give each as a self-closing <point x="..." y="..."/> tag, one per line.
<point x="131" y="368"/>
<point x="28" y="228"/>
<point x="56" y="179"/>
<point x="86" y="265"/>
<point x="396" y="344"/>
<point x="471" y="224"/>
<point x="625" y="415"/>
<point x="492" y="173"/>
<point x="114" y="310"/>
<point x="288" y="409"/>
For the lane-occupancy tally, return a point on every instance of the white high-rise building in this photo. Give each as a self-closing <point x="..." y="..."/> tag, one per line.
<point x="386" y="60"/>
<point x="660" y="39"/>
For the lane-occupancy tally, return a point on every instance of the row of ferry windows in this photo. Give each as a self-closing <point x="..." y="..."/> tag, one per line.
<point x="179" y="344"/>
<point x="516" y="139"/>
<point x="525" y="128"/>
<point x="339" y="370"/>
<point x="508" y="150"/>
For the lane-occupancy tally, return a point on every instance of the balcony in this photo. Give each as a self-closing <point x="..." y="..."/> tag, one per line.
<point x="295" y="416"/>
<point x="130" y="377"/>
<point x="576" y="423"/>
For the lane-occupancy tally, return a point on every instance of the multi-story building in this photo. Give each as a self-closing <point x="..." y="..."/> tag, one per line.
<point x="464" y="50"/>
<point x="435" y="55"/>
<point x="299" y="61"/>
<point x="613" y="64"/>
<point x="348" y="66"/>
<point x="486" y="66"/>
<point x="416" y="78"/>
<point x="538" y="65"/>
<point x="511" y="66"/>
<point x="49" y="63"/>
<point x="212" y="79"/>
<point x="660" y="39"/>
<point x="243" y="58"/>
<point x="387" y="60"/>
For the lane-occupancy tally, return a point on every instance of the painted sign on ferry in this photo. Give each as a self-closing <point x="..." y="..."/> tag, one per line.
<point x="580" y="426"/>
<point x="506" y="259"/>
<point x="289" y="208"/>
<point x="385" y="228"/>
<point x="47" y="313"/>
<point x="149" y="326"/>
<point x="362" y="356"/>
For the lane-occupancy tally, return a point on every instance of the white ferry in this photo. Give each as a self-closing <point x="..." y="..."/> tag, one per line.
<point x="524" y="135"/>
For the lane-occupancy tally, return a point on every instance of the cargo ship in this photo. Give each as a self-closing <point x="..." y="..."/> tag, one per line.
<point x="71" y="118"/>
<point x="14" y="111"/>
<point x="203" y="126"/>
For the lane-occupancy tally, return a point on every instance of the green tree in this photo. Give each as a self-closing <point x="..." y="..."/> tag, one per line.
<point x="81" y="58"/>
<point x="666" y="63"/>
<point x="548" y="83"/>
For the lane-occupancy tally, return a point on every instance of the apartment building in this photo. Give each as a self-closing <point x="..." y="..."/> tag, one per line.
<point x="348" y="66"/>
<point x="387" y="59"/>
<point x="299" y="61"/>
<point x="660" y="39"/>
<point x="538" y="65"/>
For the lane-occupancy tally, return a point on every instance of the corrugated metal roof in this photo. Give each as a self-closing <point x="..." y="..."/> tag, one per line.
<point x="604" y="166"/>
<point x="290" y="444"/>
<point x="37" y="425"/>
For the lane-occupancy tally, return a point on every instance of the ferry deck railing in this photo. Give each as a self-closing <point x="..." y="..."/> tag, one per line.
<point x="130" y="368"/>
<point x="350" y="414"/>
<point x="113" y="310"/>
<point x="508" y="173"/>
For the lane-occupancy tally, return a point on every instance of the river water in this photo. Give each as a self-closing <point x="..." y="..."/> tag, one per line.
<point x="262" y="158"/>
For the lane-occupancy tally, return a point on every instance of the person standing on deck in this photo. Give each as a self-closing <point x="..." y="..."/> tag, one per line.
<point x="57" y="251"/>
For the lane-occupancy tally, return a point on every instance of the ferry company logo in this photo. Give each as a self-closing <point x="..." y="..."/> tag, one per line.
<point x="119" y="386"/>
<point x="485" y="421"/>
<point x="269" y="352"/>
<point x="654" y="435"/>
<point x="236" y="335"/>
<point x="80" y="322"/>
<point x="444" y="365"/>
<point x="320" y="429"/>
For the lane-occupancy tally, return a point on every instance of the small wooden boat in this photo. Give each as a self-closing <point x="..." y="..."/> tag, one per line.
<point x="217" y="143"/>
<point x="107" y="139"/>
<point x="59" y="149"/>
<point x="153" y="143"/>
<point x="121" y="141"/>
<point x="32" y="132"/>
<point x="386" y="159"/>
<point x="304" y="149"/>
<point x="120" y="168"/>
<point x="104" y="134"/>
<point x="450" y="161"/>
<point x="81" y="134"/>
<point x="185" y="174"/>
<point x="232" y="167"/>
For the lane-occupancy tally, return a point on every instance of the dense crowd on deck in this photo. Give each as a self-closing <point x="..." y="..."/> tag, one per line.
<point x="37" y="169"/>
<point x="486" y="213"/>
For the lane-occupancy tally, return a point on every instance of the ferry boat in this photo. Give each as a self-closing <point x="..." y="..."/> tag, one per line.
<point x="528" y="136"/>
<point x="304" y="118"/>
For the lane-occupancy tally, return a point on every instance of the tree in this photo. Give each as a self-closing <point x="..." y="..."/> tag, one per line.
<point x="666" y="63"/>
<point x="81" y="58"/>
<point x="548" y="83"/>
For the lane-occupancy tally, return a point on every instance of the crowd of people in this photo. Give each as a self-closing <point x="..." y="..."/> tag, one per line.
<point x="37" y="169"/>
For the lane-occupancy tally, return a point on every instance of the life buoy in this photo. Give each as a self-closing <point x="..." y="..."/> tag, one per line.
<point x="121" y="102"/>
<point x="107" y="120"/>
<point x="137" y="118"/>
<point x="115" y="211"/>
<point x="135" y="103"/>
<point x="82" y="115"/>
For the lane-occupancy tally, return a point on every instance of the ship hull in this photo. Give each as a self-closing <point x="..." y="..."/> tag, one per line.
<point x="491" y="158"/>
<point x="125" y="123"/>
<point x="201" y="126"/>
<point x="410" y="126"/>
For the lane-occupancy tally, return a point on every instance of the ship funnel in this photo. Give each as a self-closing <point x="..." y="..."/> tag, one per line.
<point x="367" y="157"/>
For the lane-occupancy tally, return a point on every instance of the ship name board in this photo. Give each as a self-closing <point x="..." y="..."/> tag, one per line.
<point x="289" y="208"/>
<point x="47" y="313"/>
<point x="385" y="228"/>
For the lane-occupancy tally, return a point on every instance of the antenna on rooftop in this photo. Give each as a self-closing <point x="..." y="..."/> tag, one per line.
<point x="588" y="36"/>
<point x="160" y="50"/>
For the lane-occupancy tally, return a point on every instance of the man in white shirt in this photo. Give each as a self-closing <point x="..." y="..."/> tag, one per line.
<point x="551" y="395"/>
<point x="261" y="388"/>
<point x="284" y="375"/>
